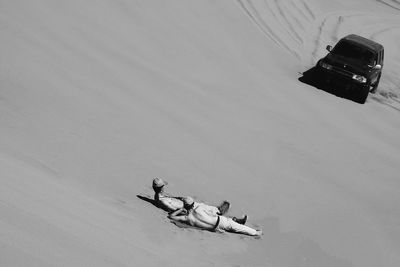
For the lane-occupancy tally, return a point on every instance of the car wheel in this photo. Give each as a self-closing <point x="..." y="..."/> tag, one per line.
<point x="375" y="85"/>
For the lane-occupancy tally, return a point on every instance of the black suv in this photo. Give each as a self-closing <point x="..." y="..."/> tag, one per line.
<point x="354" y="65"/>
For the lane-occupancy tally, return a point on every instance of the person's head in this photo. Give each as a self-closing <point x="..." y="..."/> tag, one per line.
<point x="188" y="203"/>
<point x="158" y="184"/>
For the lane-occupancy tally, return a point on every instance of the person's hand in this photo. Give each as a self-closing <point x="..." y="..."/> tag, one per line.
<point x="184" y="212"/>
<point x="177" y="212"/>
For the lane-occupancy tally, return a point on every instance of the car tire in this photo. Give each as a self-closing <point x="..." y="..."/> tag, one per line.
<point x="375" y="85"/>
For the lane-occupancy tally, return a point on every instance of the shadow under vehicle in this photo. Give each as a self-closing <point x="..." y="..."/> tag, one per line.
<point x="352" y="68"/>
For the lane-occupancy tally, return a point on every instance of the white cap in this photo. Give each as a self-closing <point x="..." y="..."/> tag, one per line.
<point x="187" y="201"/>
<point x="158" y="182"/>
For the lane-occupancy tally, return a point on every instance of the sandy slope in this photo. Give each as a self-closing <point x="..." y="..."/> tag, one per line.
<point x="99" y="97"/>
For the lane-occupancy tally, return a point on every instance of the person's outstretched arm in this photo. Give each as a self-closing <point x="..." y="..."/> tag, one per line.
<point x="175" y="215"/>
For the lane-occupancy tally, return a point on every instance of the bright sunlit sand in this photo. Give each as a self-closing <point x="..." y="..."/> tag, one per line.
<point x="99" y="97"/>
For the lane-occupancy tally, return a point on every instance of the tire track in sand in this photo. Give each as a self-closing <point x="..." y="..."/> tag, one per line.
<point x="283" y="22"/>
<point x="391" y="3"/>
<point x="253" y="14"/>
<point x="330" y="26"/>
<point x="289" y="26"/>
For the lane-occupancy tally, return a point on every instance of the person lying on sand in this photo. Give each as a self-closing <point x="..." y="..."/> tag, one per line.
<point x="170" y="203"/>
<point x="201" y="218"/>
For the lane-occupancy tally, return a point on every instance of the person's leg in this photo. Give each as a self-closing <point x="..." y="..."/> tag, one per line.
<point x="230" y="225"/>
<point x="219" y="210"/>
<point x="210" y="209"/>
<point x="240" y="220"/>
<point x="242" y="229"/>
<point x="224" y="207"/>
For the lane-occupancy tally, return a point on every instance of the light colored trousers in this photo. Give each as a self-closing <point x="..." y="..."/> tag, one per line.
<point x="229" y="225"/>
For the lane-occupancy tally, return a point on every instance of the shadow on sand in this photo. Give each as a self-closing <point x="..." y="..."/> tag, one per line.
<point x="311" y="77"/>
<point x="149" y="200"/>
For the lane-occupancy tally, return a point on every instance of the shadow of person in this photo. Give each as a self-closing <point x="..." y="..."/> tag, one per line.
<point x="150" y="200"/>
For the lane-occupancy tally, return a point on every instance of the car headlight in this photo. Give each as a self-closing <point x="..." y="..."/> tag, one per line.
<point x="359" y="78"/>
<point x="326" y="66"/>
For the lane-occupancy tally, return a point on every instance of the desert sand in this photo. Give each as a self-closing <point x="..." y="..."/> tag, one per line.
<point x="99" y="97"/>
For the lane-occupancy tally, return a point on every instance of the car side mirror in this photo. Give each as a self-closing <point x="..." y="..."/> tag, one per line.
<point x="378" y="67"/>
<point x="329" y="48"/>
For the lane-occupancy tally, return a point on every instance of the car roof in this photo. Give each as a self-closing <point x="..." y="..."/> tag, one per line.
<point x="364" y="42"/>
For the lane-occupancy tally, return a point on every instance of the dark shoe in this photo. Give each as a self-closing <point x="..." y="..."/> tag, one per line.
<point x="224" y="207"/>
<point x="240" y="220"/>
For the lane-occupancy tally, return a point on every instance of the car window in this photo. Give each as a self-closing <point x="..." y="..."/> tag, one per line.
<point x="352" y="51"/>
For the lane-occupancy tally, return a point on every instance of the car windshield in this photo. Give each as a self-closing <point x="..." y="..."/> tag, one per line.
<point x="352" y="51"/>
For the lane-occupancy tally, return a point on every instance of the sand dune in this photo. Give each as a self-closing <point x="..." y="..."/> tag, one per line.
<point x="99" y="97"/>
